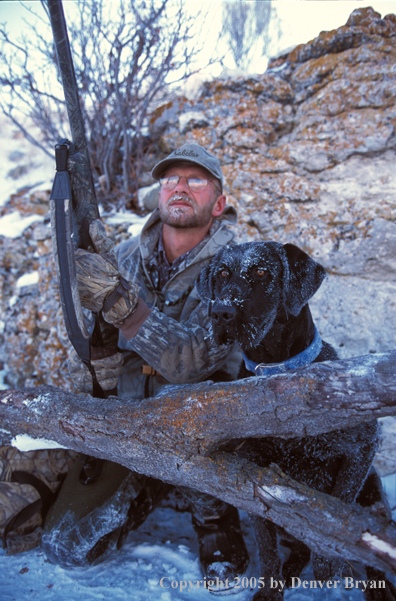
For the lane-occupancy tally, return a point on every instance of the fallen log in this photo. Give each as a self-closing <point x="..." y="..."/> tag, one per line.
<point x="174" y="436"/>
<point x="196" y="418"/>
<point x="326" y="524"/>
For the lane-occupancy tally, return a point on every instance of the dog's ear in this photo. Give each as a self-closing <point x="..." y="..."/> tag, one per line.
<point x="302" y="278"/>
<point x="204" y="283"/>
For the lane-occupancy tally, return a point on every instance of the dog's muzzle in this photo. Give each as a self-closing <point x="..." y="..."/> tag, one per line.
<point x="223" y="317"/>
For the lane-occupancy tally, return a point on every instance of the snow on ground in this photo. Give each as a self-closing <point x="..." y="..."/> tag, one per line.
<point x="136" y="222"/>
<point x="24" y="442"/>
<point x="163" y="550"/>
<point x="159" y="561"/>
<point x="13" y="225"/>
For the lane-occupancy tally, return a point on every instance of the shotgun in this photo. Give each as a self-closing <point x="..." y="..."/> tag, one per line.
<point x="73" y="207"/>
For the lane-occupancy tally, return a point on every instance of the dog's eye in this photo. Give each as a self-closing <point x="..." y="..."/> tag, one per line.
<point x="223" y="273"/>
<point x="261" y="272"/>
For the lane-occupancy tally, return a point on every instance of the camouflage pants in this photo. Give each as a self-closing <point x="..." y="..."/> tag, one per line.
<point x="89" y="522"/>
<point x="48" y="466"/>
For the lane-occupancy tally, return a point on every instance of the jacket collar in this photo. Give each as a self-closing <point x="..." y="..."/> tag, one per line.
<point x="304" y="358"/>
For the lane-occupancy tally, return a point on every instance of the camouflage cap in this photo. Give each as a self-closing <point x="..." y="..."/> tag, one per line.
<point x="193" y="153"/>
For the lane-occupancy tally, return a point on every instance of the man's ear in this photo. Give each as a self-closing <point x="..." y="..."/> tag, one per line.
<point x="302" y="278"/>
<point x="219" y="206"/>
<point x="204" y="283"/>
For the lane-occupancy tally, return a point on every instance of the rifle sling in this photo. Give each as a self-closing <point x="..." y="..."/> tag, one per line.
<point x="61" y="194"/>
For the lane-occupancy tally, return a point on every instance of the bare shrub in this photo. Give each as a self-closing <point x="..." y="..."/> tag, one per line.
<point x="126" y="55"/>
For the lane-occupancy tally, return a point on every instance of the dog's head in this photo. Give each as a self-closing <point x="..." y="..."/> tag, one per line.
<point x="249" y="285"/>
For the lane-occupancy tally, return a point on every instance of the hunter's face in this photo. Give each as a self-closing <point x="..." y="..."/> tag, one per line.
<point x="182" y="207"/>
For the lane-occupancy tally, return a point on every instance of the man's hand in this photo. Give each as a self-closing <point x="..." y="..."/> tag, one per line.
<point x="100" y="285"/>
<point x="107" y="370"/>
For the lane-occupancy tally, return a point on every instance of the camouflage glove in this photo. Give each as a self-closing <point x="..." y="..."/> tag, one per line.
<point x="100" y="285"/>
<point x="107" y="370"/>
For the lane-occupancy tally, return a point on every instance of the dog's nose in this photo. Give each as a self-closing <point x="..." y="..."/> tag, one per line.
<point x="223" y="313"/>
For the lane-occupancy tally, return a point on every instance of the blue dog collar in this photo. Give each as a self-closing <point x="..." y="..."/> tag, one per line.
<point x="305" y="358"/>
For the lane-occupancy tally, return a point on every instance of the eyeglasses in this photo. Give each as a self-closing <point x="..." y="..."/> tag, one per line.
<point x="196" y="184"/>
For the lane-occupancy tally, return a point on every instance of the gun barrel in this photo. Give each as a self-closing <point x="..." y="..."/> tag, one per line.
<point x="66" y="68"/>
<point x="85" y="206"/>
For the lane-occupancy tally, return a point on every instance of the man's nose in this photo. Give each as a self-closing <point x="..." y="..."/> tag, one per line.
<point x="182" y="185"/>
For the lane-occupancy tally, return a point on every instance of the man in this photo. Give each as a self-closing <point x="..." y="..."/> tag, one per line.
<point x="179" y="239"/>
<point x="163" y="338"/>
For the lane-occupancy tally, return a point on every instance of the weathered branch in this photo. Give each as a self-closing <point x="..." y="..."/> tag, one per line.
<point x="192" y="419"/>
<point x="174" y="436"/>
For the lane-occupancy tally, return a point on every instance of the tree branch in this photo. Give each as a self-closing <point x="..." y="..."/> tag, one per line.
<point x="174" y="437"/>
<point x="25" y="132"/>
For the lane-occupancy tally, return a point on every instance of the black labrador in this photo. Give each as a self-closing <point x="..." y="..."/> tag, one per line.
<point x="258" y="294"/>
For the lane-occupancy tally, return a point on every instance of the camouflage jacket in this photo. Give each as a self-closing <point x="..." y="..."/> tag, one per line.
<point x="175" y="339"/>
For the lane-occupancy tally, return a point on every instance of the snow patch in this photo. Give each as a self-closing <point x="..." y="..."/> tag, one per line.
<point x="27" y="279"/>
<point x="365" y="367"/>
<point x="24" y="442"/>
<point x="125" y="217"/>
<point x="135" y="229"/>
<point x="137" y="223"/>
<point x="192" y="119"/>
<point x="194" y="401"/>
<point x="13" y="225"/>
<point x="47" y="185"/>
<point x="283" y="494"/>
<point x="3" y="385"/>
<point x="34" y="404"/>
<point x="380" y="545"/>
<point x="13" y="300"/>
<point x="38" y="399"/>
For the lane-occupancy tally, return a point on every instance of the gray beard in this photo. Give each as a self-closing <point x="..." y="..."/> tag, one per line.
<point x="181" y="217"/>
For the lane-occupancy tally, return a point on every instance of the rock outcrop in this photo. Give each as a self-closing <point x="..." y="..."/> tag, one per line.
<point x="309" y="154"/>
<point x="308" y="151"/>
